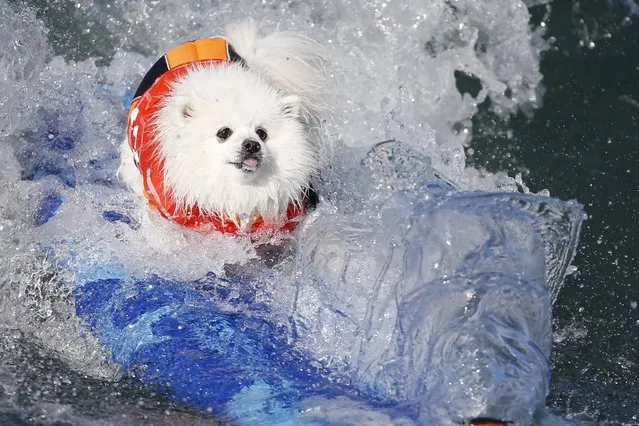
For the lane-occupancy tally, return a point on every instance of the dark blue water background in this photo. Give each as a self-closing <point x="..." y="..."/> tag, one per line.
<point x="584" y="144"/>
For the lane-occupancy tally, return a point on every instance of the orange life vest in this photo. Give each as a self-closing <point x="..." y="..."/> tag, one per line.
<point x="146" y="104"/>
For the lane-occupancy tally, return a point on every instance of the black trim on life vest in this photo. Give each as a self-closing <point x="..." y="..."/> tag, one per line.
<point x="234" y="56"/>
<point x="161" y="66"/>
<point x="158" y="68"/>
<point x="310" y="197"/>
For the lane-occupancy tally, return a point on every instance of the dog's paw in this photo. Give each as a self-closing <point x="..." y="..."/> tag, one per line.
<point x="128" y="172"/>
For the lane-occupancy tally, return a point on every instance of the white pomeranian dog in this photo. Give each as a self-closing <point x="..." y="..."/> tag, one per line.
<point x="227" y="132"/>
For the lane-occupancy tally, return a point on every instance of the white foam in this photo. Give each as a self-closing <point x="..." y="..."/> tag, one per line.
<point x="410" y="53"/>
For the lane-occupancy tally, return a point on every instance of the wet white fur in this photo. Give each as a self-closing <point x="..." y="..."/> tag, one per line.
<point x="281" y="90"/>
<point x="294" y="63"/>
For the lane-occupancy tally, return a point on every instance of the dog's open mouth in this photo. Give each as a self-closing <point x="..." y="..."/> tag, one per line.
<point x="248" y="164"/>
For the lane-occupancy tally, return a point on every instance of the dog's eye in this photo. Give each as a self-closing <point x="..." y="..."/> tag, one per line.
<point x="261" y="133"/>
<point x="224" y="133"/>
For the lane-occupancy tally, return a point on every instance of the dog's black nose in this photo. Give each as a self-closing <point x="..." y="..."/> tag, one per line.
<point x="251" y="146"/>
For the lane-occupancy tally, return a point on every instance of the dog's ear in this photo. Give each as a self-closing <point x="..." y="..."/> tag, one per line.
<point x="290" y="106"/>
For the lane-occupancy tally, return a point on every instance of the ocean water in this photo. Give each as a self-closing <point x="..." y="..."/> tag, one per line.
<point x="68" y="66"/>
<point x="583" y="144"/>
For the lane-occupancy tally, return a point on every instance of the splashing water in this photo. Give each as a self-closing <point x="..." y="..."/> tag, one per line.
<point x="403" y="285"/>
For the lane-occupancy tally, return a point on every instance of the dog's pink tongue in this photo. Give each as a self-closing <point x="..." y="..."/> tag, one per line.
<point x="250" y="162"/>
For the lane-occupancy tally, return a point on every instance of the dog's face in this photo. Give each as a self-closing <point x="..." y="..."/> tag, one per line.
<point x="231" y="142"/>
